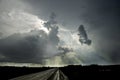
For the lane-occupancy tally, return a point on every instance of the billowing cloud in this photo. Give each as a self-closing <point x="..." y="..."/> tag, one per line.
<point x="27" y="34"/>
<point x="29" y="40"/>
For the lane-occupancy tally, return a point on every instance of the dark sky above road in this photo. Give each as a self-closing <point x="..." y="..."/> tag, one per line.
<point x="100" y="18"/>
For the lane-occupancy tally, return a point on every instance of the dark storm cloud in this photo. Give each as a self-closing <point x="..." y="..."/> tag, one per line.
<point x="32" y="47"/>
<point x="22" y="48"/>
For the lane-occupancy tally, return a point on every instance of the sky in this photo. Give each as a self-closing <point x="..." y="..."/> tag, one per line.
<point x="24" y="38"/>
